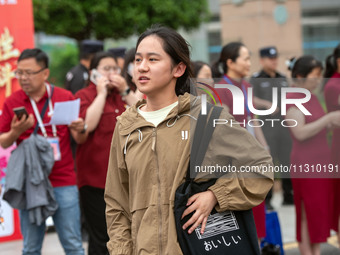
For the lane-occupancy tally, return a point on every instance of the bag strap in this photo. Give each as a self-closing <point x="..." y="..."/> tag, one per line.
<point x="43" y="111"/>
<point x="202" y="137"/>
<point x="209" y="130"/>
<point x="199" y="133"/>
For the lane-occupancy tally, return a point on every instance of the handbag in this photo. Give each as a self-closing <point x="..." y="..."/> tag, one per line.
<point x="229" y="232"/>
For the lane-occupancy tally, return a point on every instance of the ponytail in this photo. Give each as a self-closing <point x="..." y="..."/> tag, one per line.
<point x="331" y="63"/>
<point x="331" y="66"/>
<point x="218" y="69"/>
<point x="291" y="63"/>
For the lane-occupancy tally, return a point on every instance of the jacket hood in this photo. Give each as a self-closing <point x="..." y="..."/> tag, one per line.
<point x="131" y="120"/>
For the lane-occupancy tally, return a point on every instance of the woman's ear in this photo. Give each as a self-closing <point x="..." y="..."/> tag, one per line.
<point x="229" y="63"/>
<point x="179" y="70"/>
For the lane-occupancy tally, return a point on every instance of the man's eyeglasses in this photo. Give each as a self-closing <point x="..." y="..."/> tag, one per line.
<point x="114" y="69"/>
<point x="28" y="74"/>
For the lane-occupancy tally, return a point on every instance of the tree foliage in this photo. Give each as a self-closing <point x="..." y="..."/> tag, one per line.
<point x="63" y="58"/>
<point x="81" y="19"/>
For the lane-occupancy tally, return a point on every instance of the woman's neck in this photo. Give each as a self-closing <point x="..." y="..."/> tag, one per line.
<point x="233" y="75"/>
<point x="154" y="103"/>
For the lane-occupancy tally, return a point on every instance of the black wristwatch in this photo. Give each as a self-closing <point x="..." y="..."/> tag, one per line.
<point x="125" y="92"/>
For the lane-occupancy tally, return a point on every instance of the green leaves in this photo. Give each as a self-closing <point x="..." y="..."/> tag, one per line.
<point x="81" y="19"/>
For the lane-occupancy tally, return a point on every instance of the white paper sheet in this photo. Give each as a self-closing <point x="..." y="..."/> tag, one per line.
<point x="65" y="112"/>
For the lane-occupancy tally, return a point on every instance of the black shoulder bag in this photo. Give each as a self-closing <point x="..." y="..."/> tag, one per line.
<point x="229" y="232"/>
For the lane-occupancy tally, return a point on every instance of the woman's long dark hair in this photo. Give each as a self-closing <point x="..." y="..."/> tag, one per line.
<point x="129" y="59"/>
<point x="229" y="51"/>
<point x="303" y="66"/>
<point x="331" y="63"/>
<point x="177" y="48"/>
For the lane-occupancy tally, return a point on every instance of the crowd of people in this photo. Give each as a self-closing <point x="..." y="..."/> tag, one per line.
<point x="129" y="155"/>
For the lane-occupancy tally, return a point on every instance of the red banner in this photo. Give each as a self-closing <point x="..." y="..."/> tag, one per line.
<point x="16" y="34"/>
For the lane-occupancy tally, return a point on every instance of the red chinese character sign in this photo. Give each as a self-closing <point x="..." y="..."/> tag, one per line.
<point x="16" y="34"/>
<point x="8" y="54"/>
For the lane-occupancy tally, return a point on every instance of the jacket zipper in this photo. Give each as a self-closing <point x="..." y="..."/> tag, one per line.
<point x="153" y="147"/>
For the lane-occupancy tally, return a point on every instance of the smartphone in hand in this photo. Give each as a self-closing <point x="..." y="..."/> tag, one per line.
<point x="95" y="75"/>
<point x="20" y="111"/>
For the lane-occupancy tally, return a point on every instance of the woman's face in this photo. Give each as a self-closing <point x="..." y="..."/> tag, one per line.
<point x="313" y="79"/>
<point x="154" y="71"/>
<point x="204" y="73"/>
<point x="241" y="67"/>
<point x="108" y="66"/>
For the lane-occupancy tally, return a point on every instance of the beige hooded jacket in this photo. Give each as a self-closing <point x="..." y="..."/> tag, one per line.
<point x="148" y="163"/>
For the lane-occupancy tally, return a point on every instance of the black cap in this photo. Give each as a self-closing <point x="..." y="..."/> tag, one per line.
<point x="268" y="52"/>
<point x="91" y="46"/>
<point x="118" y="52"/>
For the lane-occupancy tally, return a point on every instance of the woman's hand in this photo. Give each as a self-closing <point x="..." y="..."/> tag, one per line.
<point x="334" y="119"/>
<point x="201" y="204"/>
<point x="102" y="85"/>
<point x="118" y="82"/>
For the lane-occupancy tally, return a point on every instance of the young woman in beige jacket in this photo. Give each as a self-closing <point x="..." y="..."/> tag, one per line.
<point x="150" y="153"/>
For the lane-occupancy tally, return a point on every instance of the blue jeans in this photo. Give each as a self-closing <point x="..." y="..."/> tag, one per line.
<point x="66" y="221"/>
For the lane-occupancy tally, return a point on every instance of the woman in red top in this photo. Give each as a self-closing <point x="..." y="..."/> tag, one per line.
<point x="235" y="62"/>
<point x="332" y="96"/>
<point x="312" y="189"/>
<point x="102" y="102"/>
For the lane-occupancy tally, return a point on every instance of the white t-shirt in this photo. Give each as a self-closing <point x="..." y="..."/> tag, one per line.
<point x="156" y="117"/>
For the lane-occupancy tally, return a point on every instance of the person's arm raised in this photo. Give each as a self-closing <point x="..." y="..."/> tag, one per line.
<point x="95" y="110"/>
<point x="303" y="130"/>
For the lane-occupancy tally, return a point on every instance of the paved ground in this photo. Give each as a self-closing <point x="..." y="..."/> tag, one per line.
<point x="52" y="246"/>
